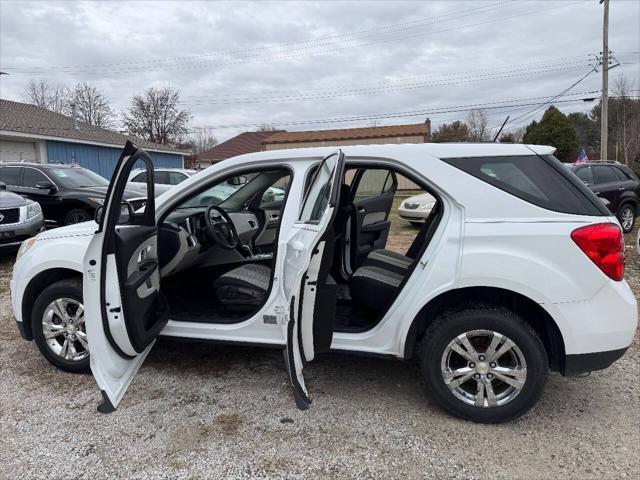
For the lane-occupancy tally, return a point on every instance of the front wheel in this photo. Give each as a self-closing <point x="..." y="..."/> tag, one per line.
<point x="627" y="218"/>
<point x="57" y="322"/>
<point x="77" y="215"/>
<point x="483" y="364"/>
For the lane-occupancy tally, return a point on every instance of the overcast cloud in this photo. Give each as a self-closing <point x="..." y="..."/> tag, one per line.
<point x="249" y="63"/>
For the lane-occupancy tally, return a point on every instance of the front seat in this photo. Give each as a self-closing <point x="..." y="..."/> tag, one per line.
<point x="244" y="288"/>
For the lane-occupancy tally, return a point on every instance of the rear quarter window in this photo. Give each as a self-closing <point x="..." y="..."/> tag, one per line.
<point x="542" y="181"/>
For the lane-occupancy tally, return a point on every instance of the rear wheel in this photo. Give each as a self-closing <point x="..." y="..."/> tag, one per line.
<point x="483" y="364"/>
<point x="57" y="322"/>
<point x="627" y="217"/>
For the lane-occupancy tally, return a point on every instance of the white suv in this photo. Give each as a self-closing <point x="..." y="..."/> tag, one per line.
<point x="517" y="271"/>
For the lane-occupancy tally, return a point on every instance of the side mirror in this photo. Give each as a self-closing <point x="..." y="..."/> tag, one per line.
<point x="126" y="214"/>
<point x="46" y="186"/>
<point x="236" y="181"/>
<point x="3" y="186"/>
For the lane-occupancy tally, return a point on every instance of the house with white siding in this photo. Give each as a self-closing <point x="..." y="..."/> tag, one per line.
<point x="31" y="133"/>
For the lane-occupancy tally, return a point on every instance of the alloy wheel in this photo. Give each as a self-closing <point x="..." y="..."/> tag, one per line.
<point x="483" y="368"/>
<point x="64" y="329"/>
<point x="626" y="219"/>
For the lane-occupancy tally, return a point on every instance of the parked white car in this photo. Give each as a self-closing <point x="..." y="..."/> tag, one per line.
<point x="416" y="209"/>
<point x="518" y="271"/>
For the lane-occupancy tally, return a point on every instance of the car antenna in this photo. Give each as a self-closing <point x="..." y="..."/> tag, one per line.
<point x="500" y="131"/>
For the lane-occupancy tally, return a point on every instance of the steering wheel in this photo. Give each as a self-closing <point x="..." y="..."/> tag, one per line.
<point x="221" y="227"/>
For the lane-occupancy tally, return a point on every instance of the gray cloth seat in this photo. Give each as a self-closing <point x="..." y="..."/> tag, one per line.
<point x="244" y="288"/>
<point x="373" y="287"/>
<point x="388" y="260"/>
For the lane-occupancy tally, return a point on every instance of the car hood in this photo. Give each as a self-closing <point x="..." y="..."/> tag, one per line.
<point x="422" y="199"/>
<point x="11" y="200"/>
<point x="75" y="230"/>
<point x="101" y="191"/>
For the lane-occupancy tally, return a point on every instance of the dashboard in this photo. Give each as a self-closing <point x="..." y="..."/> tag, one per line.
<point x="184" y="240"/>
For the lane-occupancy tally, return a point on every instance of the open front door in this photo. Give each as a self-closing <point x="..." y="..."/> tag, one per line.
<point x="307" y="286"/>
<point x="124" y="310"/>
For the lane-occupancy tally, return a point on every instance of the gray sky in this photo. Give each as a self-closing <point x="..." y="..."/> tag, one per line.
<point x="284" y="63"/>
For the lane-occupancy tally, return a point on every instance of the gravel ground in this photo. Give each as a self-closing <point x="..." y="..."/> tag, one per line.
<point x="218" y="411"/>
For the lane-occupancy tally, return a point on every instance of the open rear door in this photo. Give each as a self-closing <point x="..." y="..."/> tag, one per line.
<point x="124" y="310"/>
<point x="306" y="281"/>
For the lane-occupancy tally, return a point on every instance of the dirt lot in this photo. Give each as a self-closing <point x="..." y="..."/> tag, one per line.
<point x="218" y="411"/>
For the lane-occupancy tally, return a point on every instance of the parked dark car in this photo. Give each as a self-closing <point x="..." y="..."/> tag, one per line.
<point x="20" y="218"/>
<point x="617" y="184"/>
<point x="67" y="194"/>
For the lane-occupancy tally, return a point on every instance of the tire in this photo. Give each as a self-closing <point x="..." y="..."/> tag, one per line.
<point x="43" y="314"/>
<point x="627" y="217"/>
<point x="77" y="215"/>
<point x="435" y="354"/>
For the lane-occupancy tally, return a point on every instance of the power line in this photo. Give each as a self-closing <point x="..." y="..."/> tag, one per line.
<point x="324" y="50"/>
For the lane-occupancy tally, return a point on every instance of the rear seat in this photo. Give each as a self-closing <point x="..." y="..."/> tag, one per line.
<point x="373" y="287"/>
<point x="388" y="260"/>
<point x="376" y="282"/>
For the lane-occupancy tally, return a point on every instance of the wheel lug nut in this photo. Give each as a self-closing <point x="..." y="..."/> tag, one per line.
<point x="489" y="376"/>
<point x="481" y="358"/>
<point x="476" y="376"/>
<point x="493" y="365"/>
<point x="472" y="365"/>
<point x="64" y="324"/>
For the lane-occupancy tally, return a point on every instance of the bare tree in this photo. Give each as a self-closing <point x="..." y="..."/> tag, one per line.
<point x="514" y="135"/>
<point x="625" y="124"/>
<point x="154" y="115"/>
<point x="477" y="121"/>
<point x="43" y="94"/>
<point x="203" y="139"/>
<point x="91" y="106"/>
<point x="265" y="127"/>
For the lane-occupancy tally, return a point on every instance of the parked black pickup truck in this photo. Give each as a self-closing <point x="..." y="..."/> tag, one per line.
<point x="616" y="183"/>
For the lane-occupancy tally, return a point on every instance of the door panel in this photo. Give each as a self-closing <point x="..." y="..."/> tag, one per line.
<point x="374" y="190"/>
<point x="124" y="309"/>
<point x="305" y="281"/>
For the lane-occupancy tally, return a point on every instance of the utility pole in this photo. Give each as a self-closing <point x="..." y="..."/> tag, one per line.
<point x="604" y="113"/>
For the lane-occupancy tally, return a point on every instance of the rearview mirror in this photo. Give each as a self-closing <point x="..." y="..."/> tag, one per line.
<point x="239" y="180"/>
<point x="126" y="214"/>
<point x="45" y="186"/>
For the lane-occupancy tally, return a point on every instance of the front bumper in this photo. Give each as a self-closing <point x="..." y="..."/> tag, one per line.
<point x="414" y="215"/>
<point x="19" y="232"/>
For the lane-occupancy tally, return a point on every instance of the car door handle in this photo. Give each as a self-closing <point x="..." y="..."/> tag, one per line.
<point x="145" y="270"/>
<point x="621" y="189"/>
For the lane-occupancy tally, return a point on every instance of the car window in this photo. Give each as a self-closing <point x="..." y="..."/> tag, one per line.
<point x="319" y="193"/>
<point x="372" y="183"/>
<point x="512" y="175"/>
<point x="32" y="177"/>
<point x="161" y="178"/>
<point x="76" y="177"/>
<point x="603" y="174"/>
<point x="622" y="177"/>
<point x="584" y="174"/>
<point x="141" y="177"/>
<point x="176" y="177"/>
<point x="276" y="192"/>
<point x="539" y="180"/>
<point x="10" y="175"/>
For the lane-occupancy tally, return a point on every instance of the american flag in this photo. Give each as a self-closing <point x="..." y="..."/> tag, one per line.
<point x="582" y="157"/>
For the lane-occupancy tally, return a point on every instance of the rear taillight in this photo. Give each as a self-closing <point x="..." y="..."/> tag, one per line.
<point x="604" y="245"/>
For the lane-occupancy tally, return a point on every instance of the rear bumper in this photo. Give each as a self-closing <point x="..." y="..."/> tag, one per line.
<point x="589" y="362"/>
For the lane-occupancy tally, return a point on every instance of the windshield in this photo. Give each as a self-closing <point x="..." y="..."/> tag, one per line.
<point x="77" y="177"/>
<point x="218" y="193"/>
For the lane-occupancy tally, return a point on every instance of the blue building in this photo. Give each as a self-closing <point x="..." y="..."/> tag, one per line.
<point x="31" y="133"/>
